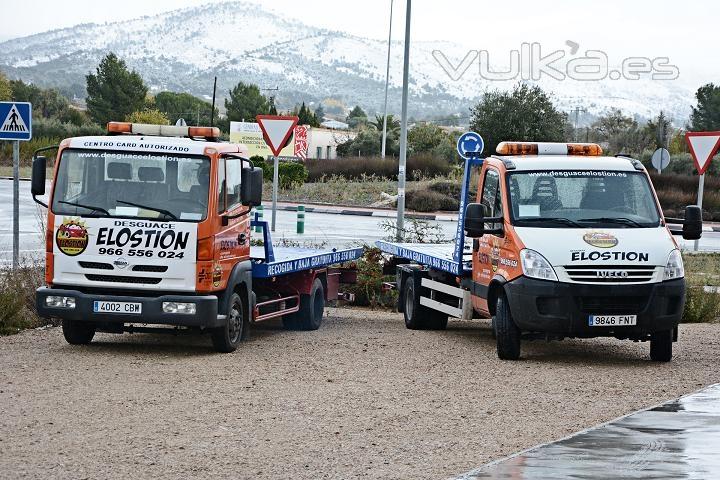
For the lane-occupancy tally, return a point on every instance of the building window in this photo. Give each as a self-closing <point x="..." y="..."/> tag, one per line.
<point x="319" y="153"/>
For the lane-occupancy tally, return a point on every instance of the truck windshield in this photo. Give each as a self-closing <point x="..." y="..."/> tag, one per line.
<point x="161" y="186"/>
<point x="573" y="198"/>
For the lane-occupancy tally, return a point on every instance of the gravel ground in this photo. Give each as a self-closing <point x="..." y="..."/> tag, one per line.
<point x="361" y="397"/>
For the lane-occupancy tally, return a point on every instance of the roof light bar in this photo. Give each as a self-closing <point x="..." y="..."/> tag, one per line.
<point x="540" y="148"/>
<point x="163" y="130"/>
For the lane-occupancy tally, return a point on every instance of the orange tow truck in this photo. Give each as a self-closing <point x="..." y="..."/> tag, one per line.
<point x="149" y="227"/>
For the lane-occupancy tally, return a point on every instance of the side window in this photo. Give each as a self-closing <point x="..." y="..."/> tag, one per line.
<point x="222" y="189"/>
<point x="491" y="195"/>
<point x="232" y="181"/>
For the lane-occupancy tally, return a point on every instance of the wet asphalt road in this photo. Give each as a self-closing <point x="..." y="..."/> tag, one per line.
<point x="678" y="439"/>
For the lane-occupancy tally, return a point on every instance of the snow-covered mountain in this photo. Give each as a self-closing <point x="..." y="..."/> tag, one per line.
<point x="183" y="50"/>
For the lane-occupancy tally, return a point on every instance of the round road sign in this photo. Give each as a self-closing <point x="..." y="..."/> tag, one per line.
<point x="661" y="159"/>
<point x="470" y="145"/>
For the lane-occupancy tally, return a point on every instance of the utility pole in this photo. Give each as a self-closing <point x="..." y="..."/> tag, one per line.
<point x="387" y="83"/>
<point x="403" y="129"/>
<point x="269" y="89"/>
<point x="577" y="111"/>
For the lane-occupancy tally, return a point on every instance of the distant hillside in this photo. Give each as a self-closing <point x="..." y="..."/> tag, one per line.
<point x="182" y="51"/>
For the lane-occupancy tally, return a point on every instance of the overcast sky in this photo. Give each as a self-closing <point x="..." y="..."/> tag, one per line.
<point x="683" y="31"/>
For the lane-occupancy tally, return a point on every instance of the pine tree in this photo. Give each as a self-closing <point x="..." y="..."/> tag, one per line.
<point x="246" y="102"/>
<point x="114" y="92"/>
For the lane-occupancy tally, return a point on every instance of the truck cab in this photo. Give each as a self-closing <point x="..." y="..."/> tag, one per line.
<point x="570" y="243"/>
<point x="150" y="225"/>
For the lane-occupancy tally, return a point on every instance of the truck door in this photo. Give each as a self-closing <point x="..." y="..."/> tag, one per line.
<point x="232" y="242"/>
<point x="487" y="255"/>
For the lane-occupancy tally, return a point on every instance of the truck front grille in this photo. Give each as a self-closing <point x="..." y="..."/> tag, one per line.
<point x="610" y="274"/>
<point x="96" y="265"/>
<point x="150" y="268"/>
<point x="612" y="305"/>
<point x="122" y="279"/>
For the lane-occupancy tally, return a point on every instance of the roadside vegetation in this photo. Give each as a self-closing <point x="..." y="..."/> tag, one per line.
<point x="17" y="298"/>
<point x="702" y="274"/>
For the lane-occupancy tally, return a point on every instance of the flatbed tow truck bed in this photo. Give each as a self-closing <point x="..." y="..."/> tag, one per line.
<point x="287" y="260"/>
<point x="435" y="255"/>
<point x="269" y="261"/>
<point x="454" y="258"/>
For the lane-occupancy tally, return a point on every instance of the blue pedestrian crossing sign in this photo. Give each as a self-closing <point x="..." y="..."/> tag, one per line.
<point x="470" y="145"/>
<point x="15" y="121"/>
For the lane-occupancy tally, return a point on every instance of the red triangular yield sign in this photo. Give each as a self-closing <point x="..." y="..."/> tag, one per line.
<point x="703" y="146"/>
<point x="276" y="130"/>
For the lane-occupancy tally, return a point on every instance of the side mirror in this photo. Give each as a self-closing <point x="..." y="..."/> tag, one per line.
<point x="251" y="186"/>
<point x="474" y="220"/>
<point x="692" y="224"/>
<point x="37" y="186"/>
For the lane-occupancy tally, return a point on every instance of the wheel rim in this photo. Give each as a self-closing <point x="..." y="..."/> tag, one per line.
<point x="409" y="301"/>
<point x="235" y="324"/>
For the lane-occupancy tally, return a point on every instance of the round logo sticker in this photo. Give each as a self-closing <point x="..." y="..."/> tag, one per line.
<point x="600" y="239"/>
<point x="72" y="237"/>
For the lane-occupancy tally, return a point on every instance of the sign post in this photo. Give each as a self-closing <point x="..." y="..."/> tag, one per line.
<point x="277" y="130"/>
<point x="703" y="146"/>
<point x="16" y="126"/>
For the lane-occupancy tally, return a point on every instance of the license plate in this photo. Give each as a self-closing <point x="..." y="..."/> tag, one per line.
<point x="117" y="307"/>
<point x="612" y="320"/>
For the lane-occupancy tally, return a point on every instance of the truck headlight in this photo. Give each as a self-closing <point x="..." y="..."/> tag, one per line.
<point x="535" y="265"/>
<point x="674" y="267"/>
<point x="57" y="301"/>
<point x="179" y="307"/>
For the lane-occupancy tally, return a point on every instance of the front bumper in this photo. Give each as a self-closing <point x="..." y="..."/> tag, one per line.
<point x="206" y="314"/>
<point x="564" y="308"/>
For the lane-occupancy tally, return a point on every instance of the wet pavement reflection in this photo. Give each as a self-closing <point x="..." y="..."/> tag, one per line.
<point x="679" y="439"/>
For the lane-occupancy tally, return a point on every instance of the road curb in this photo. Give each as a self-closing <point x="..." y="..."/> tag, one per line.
<point x="364" y="213"/>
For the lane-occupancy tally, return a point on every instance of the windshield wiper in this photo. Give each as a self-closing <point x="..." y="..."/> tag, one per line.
<point x="564" y="220"/>
<point x="89" y="207"/>
<point x="620" y="220"/>
<point x="155" y="209"/>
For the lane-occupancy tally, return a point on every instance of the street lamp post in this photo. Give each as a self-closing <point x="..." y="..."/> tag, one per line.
<point x="403" y="129"/>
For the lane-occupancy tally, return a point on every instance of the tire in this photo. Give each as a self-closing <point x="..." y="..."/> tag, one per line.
<point x="507" y="333"/>
<point x="312" y="307"/>
<point x="227" y="338"/>
<point x="661" y="346"/>
<point x="77" y="333"/>
<point x="419" y="317"/>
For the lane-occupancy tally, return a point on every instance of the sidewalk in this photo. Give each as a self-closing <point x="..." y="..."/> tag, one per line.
<point x="677" y="439"/>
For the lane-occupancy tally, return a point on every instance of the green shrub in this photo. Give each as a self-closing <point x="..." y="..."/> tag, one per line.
<point x="290" y="174"/>
<point x="352" y="168"/>
<point x="57" y="129"/>
<point x="700" y="306"/>
<point x="430" y="201"/>
<point x="369" y="287"/>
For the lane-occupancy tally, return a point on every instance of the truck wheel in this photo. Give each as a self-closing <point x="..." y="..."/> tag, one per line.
<point x="78" y="333"/>
<point x="227" y="338"/>
<point x="507" y="333"/>
<point x="661" y="346"/>
<point x="312" y="307"/>
<point x="419" y="317"/>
